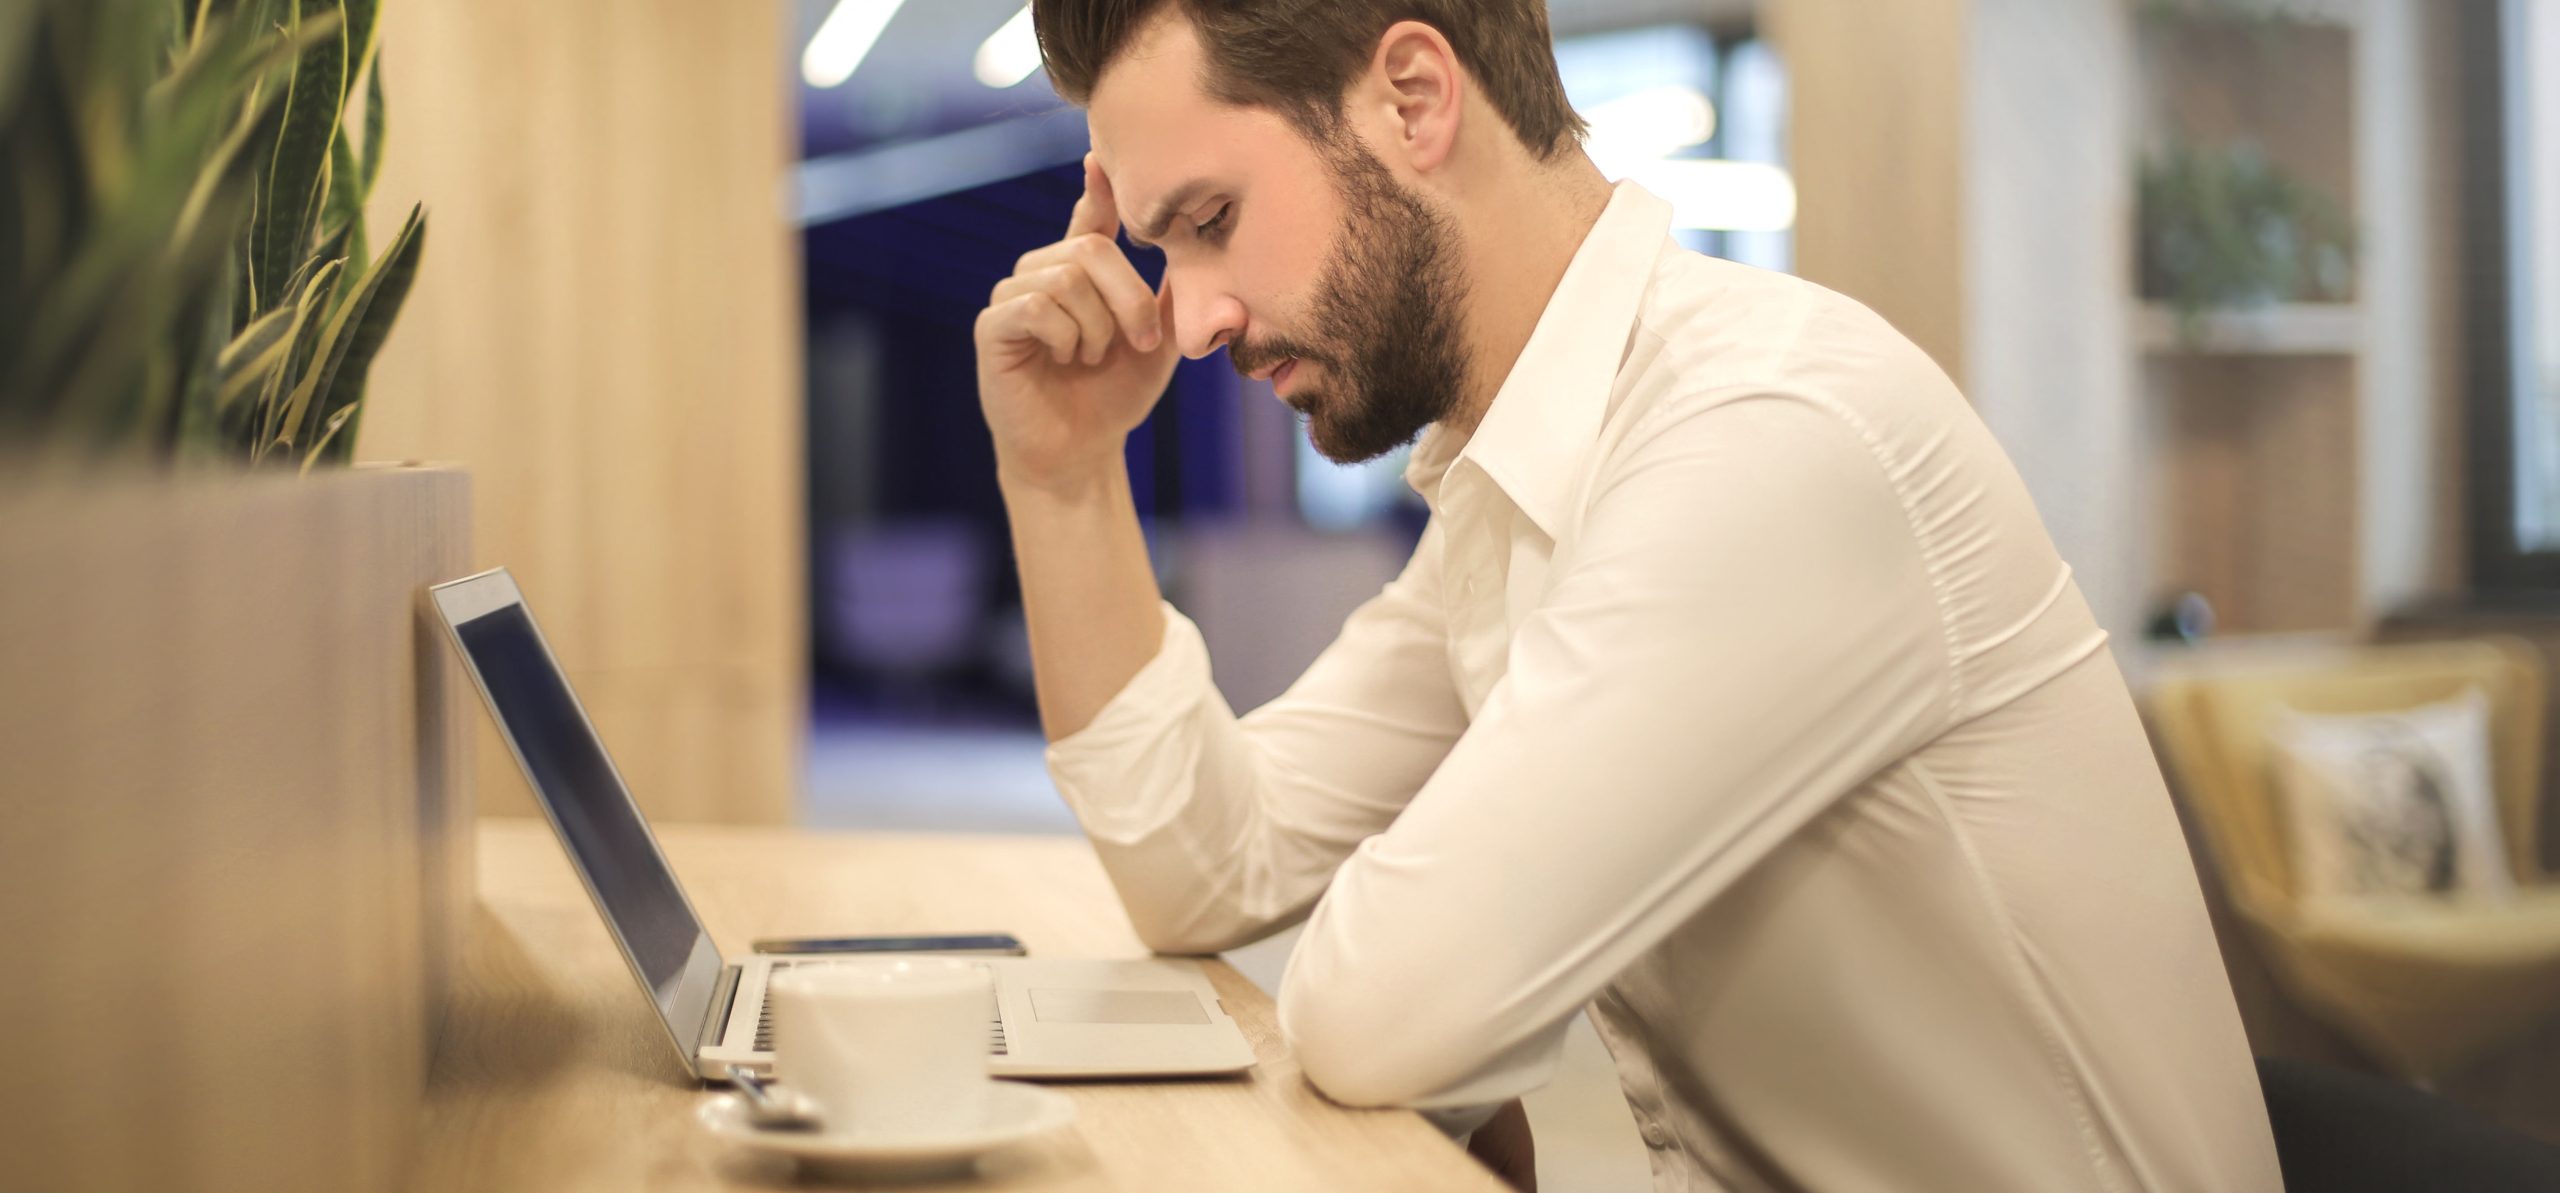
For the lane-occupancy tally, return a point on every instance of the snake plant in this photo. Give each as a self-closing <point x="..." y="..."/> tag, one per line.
<point x="184" y="266"/>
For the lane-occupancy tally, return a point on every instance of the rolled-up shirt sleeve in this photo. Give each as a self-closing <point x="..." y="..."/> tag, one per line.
<point x="1217" y="830"/>
<point x="1745" y="631"/>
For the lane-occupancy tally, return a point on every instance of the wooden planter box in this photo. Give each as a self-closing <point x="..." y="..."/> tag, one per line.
<point x="235" y="826"/>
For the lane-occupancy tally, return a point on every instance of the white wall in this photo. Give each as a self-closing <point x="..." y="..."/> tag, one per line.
<point x="2048" y="212"/>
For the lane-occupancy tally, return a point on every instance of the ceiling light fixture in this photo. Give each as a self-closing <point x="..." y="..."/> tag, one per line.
<point x="1643" y="125"/>
<point x="1009" y="54"/>
<point x="844" y="39"/>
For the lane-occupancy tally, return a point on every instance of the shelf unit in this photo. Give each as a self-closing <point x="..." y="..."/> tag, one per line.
<point x="2289" y="329"/>
<point x="2253" y="424"/>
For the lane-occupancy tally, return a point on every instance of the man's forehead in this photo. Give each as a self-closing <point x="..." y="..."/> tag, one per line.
<point x="1150" y="152"/>
<point x="1157" y="132"/>
<point x="1149" y="112"/>
<point x="1153" y="158"/>
<point x="1143" y="170"/>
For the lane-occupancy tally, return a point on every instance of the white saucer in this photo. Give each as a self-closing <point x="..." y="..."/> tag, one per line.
<point x="1015" y="1112"/>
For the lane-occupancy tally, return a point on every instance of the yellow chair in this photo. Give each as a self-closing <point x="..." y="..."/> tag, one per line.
<point x="2425" y="984"/>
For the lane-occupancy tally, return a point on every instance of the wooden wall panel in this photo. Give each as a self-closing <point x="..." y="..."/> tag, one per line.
<point x="607" y="333"/>
<point x="2217" y="84"/>
<point x="1877" y="97"/>
<point x="239" y="829"/>
<point x="2257" y="475"/>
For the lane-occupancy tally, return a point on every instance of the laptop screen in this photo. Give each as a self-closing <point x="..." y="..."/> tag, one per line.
<point x="577" y="784"/>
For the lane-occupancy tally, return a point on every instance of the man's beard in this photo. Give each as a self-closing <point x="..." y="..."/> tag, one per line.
<point x="1386" y="319"/>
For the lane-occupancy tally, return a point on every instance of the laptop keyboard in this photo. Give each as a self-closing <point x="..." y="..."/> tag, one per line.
<point x="764" y="1012"/>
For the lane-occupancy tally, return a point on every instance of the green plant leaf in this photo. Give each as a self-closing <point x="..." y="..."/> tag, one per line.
<point x="230" y="165"/>
<point x="216" y="65"/>
<point x="360" y="326"/>
<point x="329" y="435"/>
<point x="260" y="289"/>
<point x="343" y="220"/>
<point x="194" y="437"/>
<point x="17" y="47"/>
<point x="376" y="117"/>
<point x="251" y="357"/>
<point x="332" y="249"/>
<point x="363" y="58"/>
<point x="276" y="419"/>
<point x="297" y="175"/>
<point x="103" y="226"/>
<point x="117" y="240"/>
<point x="363" y="19"/>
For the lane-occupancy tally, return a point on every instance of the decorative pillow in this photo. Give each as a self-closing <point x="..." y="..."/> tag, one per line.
<point x="2393" y="803"/>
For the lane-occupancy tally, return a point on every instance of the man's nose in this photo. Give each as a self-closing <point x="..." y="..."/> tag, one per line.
<point x="1204" y="319"/>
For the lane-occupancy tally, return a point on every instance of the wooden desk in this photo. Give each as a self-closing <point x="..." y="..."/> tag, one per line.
<point x="552" y="1074"/>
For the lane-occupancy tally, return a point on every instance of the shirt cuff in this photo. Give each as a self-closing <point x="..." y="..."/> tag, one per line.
<point x="1127" y="772"/>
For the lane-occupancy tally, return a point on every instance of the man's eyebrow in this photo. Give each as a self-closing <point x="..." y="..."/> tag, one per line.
<point x="1146" y="233"/>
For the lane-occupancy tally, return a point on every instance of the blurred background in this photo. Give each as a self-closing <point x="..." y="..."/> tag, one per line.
<point x="2261" y="296"/>
<point x="2255" y="294"/>
<point x="931" y="162"/>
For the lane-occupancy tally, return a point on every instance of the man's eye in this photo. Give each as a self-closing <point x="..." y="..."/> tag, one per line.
<point x="1216" y="225"/>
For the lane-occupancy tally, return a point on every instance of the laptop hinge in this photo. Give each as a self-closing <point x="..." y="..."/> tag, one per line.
<point x="715" y="1021"/>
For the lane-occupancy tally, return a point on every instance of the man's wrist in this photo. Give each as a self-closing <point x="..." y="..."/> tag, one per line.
<point x="1083" y="485"/>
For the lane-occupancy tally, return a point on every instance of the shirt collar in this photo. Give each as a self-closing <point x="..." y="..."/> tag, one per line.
<point x="1545" y="418"/>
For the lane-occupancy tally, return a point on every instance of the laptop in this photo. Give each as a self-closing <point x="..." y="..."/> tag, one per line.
<point x="1049" y="1018"/>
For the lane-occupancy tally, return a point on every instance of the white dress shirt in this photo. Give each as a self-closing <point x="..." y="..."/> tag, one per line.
<point x="1736" y="693"/>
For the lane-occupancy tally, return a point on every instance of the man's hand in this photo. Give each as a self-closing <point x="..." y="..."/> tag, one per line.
<point x="1503" y="1145"/>
<point x="1073" y="350"/>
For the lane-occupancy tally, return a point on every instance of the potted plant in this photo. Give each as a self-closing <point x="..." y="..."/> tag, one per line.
<point x="2224" y="228"/>
<point x="236" y="760"/>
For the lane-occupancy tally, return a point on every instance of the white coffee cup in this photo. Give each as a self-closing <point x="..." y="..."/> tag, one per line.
<point x="885" y="1046"/>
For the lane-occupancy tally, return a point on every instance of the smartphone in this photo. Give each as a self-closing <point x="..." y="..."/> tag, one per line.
<point x="983" y="942"/>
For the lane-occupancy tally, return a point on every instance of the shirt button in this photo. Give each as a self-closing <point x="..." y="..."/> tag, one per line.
<point x="1655" y="1136"/>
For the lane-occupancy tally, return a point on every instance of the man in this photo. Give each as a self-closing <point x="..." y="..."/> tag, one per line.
<point x="1734" y="691"/>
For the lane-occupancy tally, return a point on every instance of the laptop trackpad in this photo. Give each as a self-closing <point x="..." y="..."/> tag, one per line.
<point x="1117" y="1006"/>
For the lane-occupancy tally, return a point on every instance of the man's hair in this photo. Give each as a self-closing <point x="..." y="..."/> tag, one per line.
<point x="1297" y="57"/>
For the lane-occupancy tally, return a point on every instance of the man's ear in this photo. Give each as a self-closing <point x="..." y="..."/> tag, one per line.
<point x="1415" y="81"/>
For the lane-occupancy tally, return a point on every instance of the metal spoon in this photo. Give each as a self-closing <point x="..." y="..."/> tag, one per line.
<point x="770" y="1108"/>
